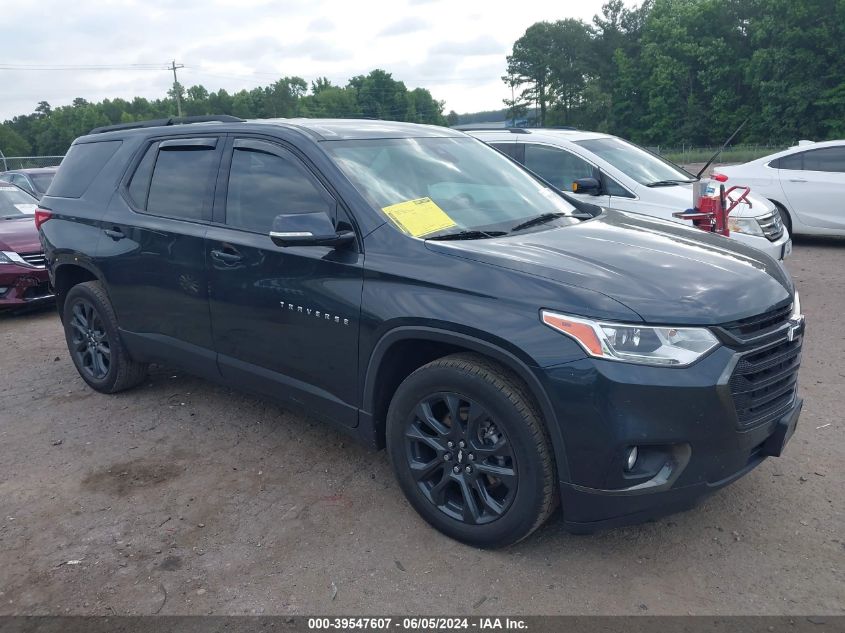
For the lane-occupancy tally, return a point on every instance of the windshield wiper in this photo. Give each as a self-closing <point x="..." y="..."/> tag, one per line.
<point x="540" y="219"/>
<point x="468" y="235"/>
<point x="668" y="183"/>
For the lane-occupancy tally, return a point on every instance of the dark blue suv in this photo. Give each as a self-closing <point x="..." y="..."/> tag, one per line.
<point x="510" y="347"/>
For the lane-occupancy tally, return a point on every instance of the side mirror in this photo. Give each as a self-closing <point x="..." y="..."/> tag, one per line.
<point x="589" y="186"/>
<point x="308" y="229"/>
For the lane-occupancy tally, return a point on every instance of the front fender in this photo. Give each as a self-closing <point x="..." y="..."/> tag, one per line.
<point x="497" y="350"/>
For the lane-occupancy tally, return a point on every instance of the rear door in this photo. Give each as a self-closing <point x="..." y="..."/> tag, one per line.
<point x="153" y="251"/>
<point x="814" y="184"/>
<point x="285" y="320"/>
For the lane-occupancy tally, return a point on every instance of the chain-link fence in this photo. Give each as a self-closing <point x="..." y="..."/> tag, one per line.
<point x="24" y="162"/>
<point x="691" y="154"/>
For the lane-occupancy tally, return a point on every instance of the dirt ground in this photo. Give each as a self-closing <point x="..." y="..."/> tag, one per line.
<point x="183" y="497"/>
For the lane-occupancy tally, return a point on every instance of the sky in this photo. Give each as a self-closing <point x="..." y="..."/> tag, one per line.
<point x="454" y="48"/>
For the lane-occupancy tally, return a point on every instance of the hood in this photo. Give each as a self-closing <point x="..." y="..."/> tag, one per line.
<point x="19" y="235"/>
<point x="679" y="198"/>
<point x="661" y="270"/>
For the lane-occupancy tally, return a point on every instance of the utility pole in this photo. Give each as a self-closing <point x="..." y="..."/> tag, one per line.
<point x="173" y="66"/>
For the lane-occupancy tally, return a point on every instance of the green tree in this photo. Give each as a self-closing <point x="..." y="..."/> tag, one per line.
<point x="530" y="64"/>
<point x="12" y="143"/>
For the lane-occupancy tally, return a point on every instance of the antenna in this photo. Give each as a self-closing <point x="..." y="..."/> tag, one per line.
<point x="720" y="150"/>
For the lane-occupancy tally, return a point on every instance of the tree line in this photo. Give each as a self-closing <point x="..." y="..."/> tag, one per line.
<point x="377" y="95"/>
<point x="688" y="71"/>
<point x="666" y="72"/>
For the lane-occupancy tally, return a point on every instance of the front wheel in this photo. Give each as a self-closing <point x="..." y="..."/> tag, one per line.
<point x="470" y="451"/>
<point x="784" y="216"/>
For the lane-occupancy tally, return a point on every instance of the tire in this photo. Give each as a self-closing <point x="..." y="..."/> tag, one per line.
<point x="93" y="341"/>
<point x="500" y="484"/>
<point x="784" y="216"/>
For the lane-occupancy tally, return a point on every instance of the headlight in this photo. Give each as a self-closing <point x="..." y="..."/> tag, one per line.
<point x="749" y="226"/>
<point x="646" y="345"/>
<point x="796" y="307"/>
<point x="5" y="258"/>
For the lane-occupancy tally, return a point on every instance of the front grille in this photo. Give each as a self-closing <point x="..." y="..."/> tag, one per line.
<point x="772" y="225"/>
<point x="764" y="382"/>
<point x="759" y="324"/>
<point x="35" y="259"/>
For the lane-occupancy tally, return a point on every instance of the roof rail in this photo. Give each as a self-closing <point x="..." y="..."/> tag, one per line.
<point x="487" y="128"/>
<point x="221" y="118"/>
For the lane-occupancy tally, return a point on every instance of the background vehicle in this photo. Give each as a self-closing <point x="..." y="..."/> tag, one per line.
<point x="34" y="181"/>
<point x="23" y="276"/>
<point x="235" y="250"/>
<point x="806" y="182"/>
<point x="631" y="179"/>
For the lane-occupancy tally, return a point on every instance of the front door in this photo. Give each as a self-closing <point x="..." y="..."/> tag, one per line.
<point x="561" y="168"/>
<point x="285" y="320"/>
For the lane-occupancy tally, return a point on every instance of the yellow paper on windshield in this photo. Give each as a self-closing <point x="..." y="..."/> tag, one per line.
<point x="419" y="217"/>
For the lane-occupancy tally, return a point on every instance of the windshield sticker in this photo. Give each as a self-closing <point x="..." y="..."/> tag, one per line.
<point x="26" y="208"/>
<point x="419" y="217"/>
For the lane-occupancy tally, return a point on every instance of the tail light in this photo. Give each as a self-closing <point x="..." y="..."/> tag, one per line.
<point x="720" y="177"/>
<point x="41" y="216"/>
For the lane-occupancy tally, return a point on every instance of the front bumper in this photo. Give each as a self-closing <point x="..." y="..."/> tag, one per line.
<point x="23" y="285"/>
<point x="779" y="249"/>
<point x="684" y="421"/>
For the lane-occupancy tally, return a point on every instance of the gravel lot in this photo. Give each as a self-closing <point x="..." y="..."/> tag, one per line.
<point x="182" y="497"/>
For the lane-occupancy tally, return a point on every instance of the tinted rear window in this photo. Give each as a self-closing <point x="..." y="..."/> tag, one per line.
<point x="826" y="159"/>
<point x="793" y="161"/>
<point x="180" y="182"/>
<point x="41" y="181"/>
<point x="79" y="168"/>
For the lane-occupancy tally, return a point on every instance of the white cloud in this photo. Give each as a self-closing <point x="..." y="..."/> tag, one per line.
<point x="457" y="49"/>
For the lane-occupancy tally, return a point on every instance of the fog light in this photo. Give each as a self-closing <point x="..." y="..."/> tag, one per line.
<point x="632" y="458"/>
<point x="3" y="290"/>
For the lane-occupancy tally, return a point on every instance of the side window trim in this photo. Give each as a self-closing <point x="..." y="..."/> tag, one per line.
<point x="180" y="141"/>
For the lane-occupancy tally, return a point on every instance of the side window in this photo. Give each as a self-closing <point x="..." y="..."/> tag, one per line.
<point x="793" y="161"/>
<point x="831" y="159"/>
<point x="181" y="177"/>
<point x="557" y="166"/>
<point x="511" y="149"/>
<point x="613" y="188"/>
<point x="266" y="181"/>
<point x="139" y="185"/>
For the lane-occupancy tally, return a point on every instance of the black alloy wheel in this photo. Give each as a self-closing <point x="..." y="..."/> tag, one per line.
<point x="470" y="450"/>
<point x="90" y="343"/>
<point x="95" y="346"/>
<point x="462" y="462"/>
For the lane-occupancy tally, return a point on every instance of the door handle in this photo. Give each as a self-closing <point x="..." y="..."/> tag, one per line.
<point x="114" y="233"/>
<point x="225" y="257"/>
<point x="797" y="180"/>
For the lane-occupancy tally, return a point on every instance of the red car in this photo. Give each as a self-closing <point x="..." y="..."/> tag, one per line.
<point x="23" y="276"/>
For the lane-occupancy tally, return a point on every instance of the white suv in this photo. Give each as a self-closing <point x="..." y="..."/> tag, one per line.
<point x="631" y="179"/>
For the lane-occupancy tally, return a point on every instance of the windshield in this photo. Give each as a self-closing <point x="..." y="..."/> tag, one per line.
<point x="41" y="181"/>
<point x="15" y="202"/>
<point x="637" y="163"/>
<point x="433" y="186"/>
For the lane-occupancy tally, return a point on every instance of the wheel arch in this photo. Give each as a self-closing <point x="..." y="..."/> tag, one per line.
<point x="406" y="348"/>
<point x="785" y="213"/>
<point x="66" y="276"/>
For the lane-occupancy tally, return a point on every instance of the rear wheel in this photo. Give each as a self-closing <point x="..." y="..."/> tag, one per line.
<point x="93" y="341"/>
<point x="470" y="451"/>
